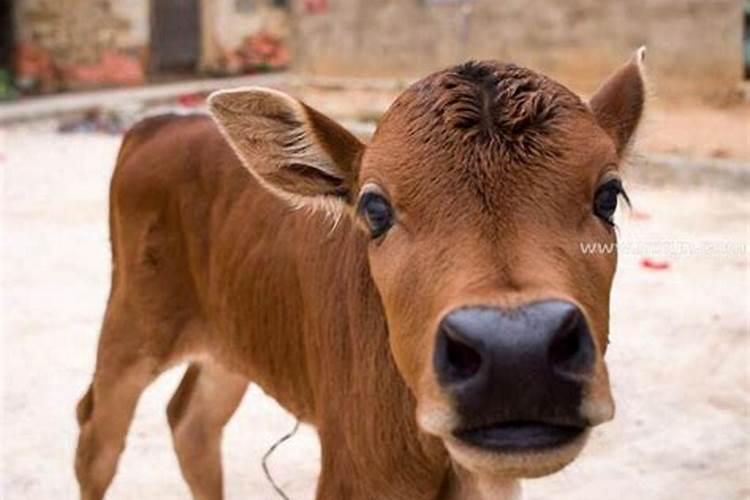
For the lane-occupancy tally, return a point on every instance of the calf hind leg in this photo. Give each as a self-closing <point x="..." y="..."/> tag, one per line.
<point x="203" y="403"/>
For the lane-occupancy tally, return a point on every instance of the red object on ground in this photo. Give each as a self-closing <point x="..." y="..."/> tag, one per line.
<point x="192" y="100"/>
<point x="656" y="265"/>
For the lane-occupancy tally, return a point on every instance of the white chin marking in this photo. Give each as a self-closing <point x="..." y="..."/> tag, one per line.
<point x="438" y="422"/>
<point x="499" y="489"/>
<point x="597" y="412"/>
<point x="641" y="53"/>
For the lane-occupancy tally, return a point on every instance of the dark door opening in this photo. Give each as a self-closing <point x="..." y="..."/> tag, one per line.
<point x="7" y="40"/>
<point x="175" y="37"/>
<point x="7" y="43"/>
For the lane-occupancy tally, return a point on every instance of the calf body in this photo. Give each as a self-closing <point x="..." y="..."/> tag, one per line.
<point x="210" y="268"/>
<point x="224" y="270"/>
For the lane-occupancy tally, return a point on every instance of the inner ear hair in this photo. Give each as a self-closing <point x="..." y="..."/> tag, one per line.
<point x="295" y="151"/>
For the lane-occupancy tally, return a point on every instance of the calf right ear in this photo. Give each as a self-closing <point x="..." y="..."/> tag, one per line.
<point x="297" y="152"/>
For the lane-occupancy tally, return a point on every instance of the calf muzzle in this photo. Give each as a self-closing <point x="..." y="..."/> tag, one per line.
<point x="516" y="377"/>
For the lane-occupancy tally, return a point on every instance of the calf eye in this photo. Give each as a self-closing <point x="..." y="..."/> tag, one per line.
<point x="377" y="213"/>
<point x="605" y="200"/>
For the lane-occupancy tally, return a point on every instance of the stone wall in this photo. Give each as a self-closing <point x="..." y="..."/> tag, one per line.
<point x="693" y="45"/>
<point x="80" y="43"/>
<point x="71" y="44"/>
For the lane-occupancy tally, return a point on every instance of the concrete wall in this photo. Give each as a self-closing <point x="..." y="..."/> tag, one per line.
<point x="694" y="45"/>
<point x="231" y="25"/>
<point x="226" y="25"/>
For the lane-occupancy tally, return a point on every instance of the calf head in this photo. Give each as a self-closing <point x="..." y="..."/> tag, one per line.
<point x="476" y="192"/>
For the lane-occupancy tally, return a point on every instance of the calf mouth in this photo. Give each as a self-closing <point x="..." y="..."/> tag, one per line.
<point x="521" y="436"/>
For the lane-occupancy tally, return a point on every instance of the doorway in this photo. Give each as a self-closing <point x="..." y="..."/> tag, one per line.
<point x="7" y="43"/>
<point x="175" y="37"/>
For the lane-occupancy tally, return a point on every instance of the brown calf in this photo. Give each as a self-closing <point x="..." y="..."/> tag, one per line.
<point x="432" y="314"/>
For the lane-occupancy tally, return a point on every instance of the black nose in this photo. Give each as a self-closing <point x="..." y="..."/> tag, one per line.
<point x="523" y="364"/>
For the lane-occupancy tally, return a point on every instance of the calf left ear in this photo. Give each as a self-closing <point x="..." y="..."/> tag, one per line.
<point x="295" y="151"/>
<point x="618" y="104"/>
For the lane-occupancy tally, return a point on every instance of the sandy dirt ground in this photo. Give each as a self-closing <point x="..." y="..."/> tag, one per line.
<point x="678" y="358"/>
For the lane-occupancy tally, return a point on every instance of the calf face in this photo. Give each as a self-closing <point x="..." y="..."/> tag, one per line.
<point x="476" y="191"/>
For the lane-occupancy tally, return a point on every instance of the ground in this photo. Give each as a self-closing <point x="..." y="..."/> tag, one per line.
<point x="678" y="356"/>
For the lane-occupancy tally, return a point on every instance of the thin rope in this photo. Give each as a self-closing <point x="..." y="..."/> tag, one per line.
<point x="268" y="454"/>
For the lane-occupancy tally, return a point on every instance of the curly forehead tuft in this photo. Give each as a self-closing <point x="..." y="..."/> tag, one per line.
<point x="502" y="105"/>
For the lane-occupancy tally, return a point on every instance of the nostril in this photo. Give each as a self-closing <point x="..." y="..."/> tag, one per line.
<point x="463" y="361"/>
<point x="571" y="350"/>
<point x="457" y="355"/>
<point x="565" y="345"/>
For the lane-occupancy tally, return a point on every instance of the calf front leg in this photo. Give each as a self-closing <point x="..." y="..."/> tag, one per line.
<point x="104" y="415"/>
